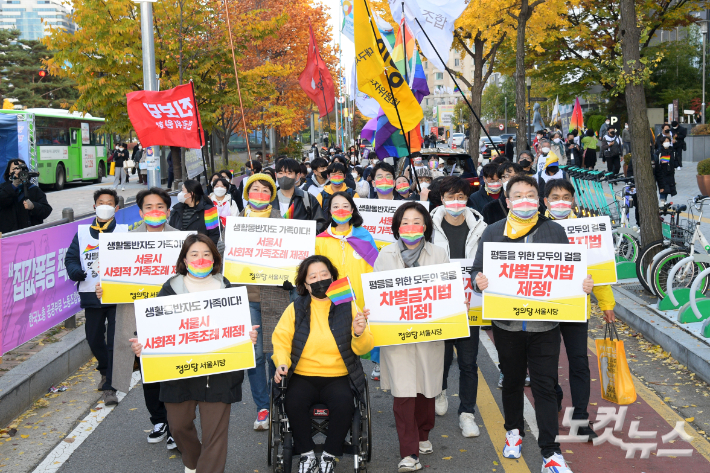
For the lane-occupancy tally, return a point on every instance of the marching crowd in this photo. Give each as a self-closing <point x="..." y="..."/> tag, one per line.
<point x="299" y="334"/>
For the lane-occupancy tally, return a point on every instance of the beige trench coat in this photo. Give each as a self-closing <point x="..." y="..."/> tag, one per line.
<point x="414" y="368"/>
<point x="123" y="355"/>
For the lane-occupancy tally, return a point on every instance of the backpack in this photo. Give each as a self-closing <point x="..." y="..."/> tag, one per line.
<point x="614" y="149"/>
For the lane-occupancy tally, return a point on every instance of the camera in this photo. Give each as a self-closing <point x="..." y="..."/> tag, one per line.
<point x="25" y="175"/>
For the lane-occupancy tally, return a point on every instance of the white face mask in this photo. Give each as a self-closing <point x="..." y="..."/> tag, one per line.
<point x="666" y="145"/>
<point x="607" y="122"/>
<point x="181" y="197"/>
<point x="556" y="140"/>
<point x="626" y="126"/>
<point x="545" y="150"/>
<point x="105" y="212"/>
<point x="220" y="191"/>
<point x="424" y="185"/>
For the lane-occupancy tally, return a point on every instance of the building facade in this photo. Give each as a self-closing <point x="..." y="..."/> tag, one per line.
<point x="34" y="17"/>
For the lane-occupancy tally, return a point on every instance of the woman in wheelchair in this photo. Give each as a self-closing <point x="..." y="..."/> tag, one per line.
<point x="316" y="347"/>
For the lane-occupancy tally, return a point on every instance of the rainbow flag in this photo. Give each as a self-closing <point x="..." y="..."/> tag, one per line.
<point x="211" y="220"/>
<point x="341" y="291"/>
<point x="388" y="139"/>
<point x="289" y="212"/>
<point x="361" y="241"/>
<point x="665" y="159"/>
<point x="90" y="247"/>
<point x="577" y="120"/>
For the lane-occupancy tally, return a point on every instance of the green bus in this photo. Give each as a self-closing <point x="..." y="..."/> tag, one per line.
<point x="61" y="146"/>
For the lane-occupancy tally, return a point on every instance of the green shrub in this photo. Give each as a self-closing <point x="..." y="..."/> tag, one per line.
<point x="704" y="167"/>
<point x="594" y="122"/>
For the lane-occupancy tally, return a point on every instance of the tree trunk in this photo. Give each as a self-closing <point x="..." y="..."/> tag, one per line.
<point x="520" y="113"/>
<point x="263" y="140"/>
<point x="638" y="122"/>
<point x="225" y="151"/>
<point x="177" y="162"/>
<point x="476" y="96"/>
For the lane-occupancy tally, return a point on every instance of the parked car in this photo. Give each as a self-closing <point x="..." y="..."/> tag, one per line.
<point x="497" y="142"/>
<point x="456" y="140"/>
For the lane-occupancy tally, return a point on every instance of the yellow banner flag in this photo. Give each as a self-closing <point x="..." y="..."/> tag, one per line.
<point x="372" y="59"/>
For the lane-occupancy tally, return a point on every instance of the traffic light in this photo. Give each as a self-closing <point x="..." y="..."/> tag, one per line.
<point x="42" y="73"/>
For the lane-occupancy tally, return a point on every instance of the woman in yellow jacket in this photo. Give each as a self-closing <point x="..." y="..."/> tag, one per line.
<point x="559" y="199"/>
<point x="316" y="347"/>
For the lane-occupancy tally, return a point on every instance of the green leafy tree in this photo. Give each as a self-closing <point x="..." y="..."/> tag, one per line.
<point x="494" y="100"/>
<point x="21" y="81"/>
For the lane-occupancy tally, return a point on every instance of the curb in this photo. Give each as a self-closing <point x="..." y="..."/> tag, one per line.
<point x="24" y="384"/>
<point x="683" y="346"/>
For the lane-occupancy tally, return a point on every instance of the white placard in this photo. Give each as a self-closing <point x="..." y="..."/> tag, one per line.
<point x="377" y="216"/>
<point x="595" y="234"/>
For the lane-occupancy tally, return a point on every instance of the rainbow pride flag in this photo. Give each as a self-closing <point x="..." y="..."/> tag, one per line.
<point x="341" y="291"/>
<point x="211" y="220"/>
<point x="665" y="159"/>
<point x="90" y="247"/>
<point x="289" y="212"/>
<point x="577" y="120"/>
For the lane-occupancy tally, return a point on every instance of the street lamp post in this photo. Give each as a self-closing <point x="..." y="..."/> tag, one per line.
<point x="149" y="83"/>
<point x="528" y="82"/>
<point x="506" y="115"/>
<point x="704" y="31"/>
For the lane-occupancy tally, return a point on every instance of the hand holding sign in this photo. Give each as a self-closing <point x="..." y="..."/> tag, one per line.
<point x="588" y="284"/>
<point x="481" y="281"/>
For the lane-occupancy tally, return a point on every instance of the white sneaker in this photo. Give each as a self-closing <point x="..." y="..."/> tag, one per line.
<point x="409" y="464"/>
<point x="500" y="380"/>
<point x="441" y="403"/>
<point x="123" y="188"/>
<point x="467" y="423"/>
<point x="376" y="372"/>
<point x="425" y="447"/>
<point x="555" y="464"/>
<point x="513" y="447"/>
<point x="262" y="420"/>
<point x="190" y="470"/>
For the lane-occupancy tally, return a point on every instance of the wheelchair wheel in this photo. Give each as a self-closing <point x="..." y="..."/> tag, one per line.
<point x="272" y="441"/>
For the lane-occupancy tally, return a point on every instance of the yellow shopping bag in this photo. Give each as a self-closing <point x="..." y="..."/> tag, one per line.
<point x="616" y="381"/>
<point x="112" y="170"/>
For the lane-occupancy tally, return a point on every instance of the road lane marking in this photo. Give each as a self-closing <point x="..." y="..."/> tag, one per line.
<point x="493" y="420"/>
<point x="61" y="453"/>
<point x="528" y="410"/>
<point x="701" y="445"/>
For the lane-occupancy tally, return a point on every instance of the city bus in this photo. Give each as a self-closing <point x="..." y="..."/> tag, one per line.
<point x="61" y="146"/>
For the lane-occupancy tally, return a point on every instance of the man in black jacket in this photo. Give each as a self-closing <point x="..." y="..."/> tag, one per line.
<point x="82" y="266"/>
<point x="521" y="345"/>
<point x="679" y="146"/>
<point x="498" y="209"/>
<point x="489" y="191"/>
<point x="17" y="210"/>
<point x="305" y="205"/>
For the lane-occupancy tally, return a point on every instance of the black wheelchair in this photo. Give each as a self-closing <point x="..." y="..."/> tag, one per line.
<point x="358" y="442"/>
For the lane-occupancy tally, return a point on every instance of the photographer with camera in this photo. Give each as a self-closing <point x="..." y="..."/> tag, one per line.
<point x="22" y="203"/>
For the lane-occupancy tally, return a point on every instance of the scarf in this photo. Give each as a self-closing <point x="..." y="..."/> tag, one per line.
<point x="360" y="240"/>
<point x="249" y="212"/>
<point x="97" y="226"/>
<point x="517" y="227"/>
<point x="410" y="257"/>
<point x="558" y="175"/>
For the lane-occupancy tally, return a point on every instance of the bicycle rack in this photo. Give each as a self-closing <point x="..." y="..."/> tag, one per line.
<point x="693" y="310"/>
<point x="675" y="298"/>
<point x="658" y="256"/>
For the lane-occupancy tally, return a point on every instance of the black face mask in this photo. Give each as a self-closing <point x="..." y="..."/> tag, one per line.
<point x="319" y="288"/>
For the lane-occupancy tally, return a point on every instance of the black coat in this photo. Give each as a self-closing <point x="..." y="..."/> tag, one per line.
<point x="313" y="212"/>
<point x="495" y="211"/>
<point x="223" y="387"/>
<point x="119" y="157"/>
<point x="14" y="215"/>
<point x="197" y="222"/>
<point x="509" y="150"/>
<point x="72" y="262"/>
<point x="478" y="200"/>
<point x="665" y="173"/>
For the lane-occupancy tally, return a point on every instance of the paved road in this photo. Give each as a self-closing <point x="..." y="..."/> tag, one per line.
<point x="113" y="439"/>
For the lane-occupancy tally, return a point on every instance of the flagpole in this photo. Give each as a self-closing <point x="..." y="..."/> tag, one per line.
<point x="415" y="178"/>
<point x="236" y="76"/>
<point x="394" y="102"/>
<point x="457" y="86"/>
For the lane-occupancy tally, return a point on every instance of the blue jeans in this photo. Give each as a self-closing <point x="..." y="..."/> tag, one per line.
<point x="467" y="350"/>
<point x="257" y="375"/>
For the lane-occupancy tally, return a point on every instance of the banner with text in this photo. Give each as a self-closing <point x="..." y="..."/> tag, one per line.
<point x="135" y="265"/>
<point x="377" y="215"/>
<point x="413" y="305"/>
<point x="266" y="251"/>
<point x="536" y="281"/>
<point x="195" y="334"/>
<point x="475" y="301"/>
<point x="595" y="234"/>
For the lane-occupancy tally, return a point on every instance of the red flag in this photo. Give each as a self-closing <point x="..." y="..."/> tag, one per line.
<point x="166" y="118"/>
<point x="316" y="81"/>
